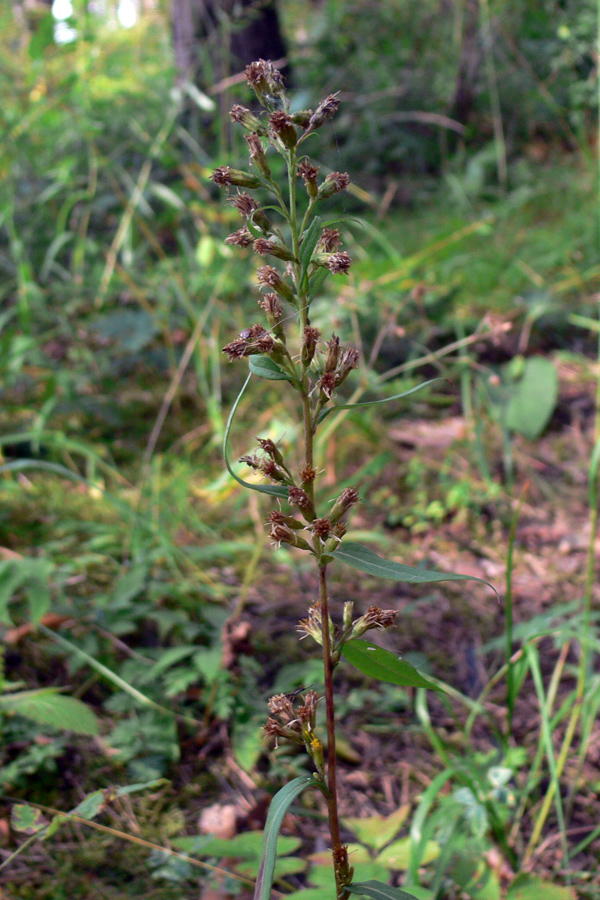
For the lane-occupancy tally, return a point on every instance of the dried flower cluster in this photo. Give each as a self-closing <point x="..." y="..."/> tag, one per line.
<point x="299" y="253"/>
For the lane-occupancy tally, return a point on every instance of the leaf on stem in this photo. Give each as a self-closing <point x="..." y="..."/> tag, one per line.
<point x="273" y="489"/>
<point x="331" y="409"/>
<point x="379" y="891"/>
<point x="279" y="806"/>
<point x="366" y="560"/>
<point x="310" y="239"/>
<point x="265" y="367"/>
<point x="383" y="665"/>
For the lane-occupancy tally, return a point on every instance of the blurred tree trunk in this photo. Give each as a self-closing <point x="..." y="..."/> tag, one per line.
<point x="465" y="89"/>
<point x="214" y="38"/>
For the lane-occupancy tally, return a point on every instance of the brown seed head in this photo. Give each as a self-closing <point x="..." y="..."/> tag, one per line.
<point x="281" y="706"/>
<point x="271" y="305"/>
<point x="308" y="172"/>
<point x="264" y="78"/>
<point x="335" y="182"/>
<point x="299" y="497"/>
<point x="327" y="383"/>
<point x="338" y="263"/>
<point x="257" y="154"/>
<point x="309" y="344"/>
<point x="272" y="248"/>
<point x="329" y="240"/>
<point x="348" y="361"/>
<point x="241" y="238"/>
<point x="268" y="275"/>
<point x="308" y="474"/>
<point x="281" y="124"/>
<point x="272" y="471"/>
<point x="225" y="176"/>
<point x="325" y="110"/>
<point x="332" y="355"/>
<point x="244" y="203"/>
<point x="321" y="527"/>
<point x="344" y="502"/>
<point x="237" y="349"/>
<point x="244" y="117"/>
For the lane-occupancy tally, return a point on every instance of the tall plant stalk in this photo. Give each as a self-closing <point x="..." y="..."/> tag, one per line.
<point x="287" y="230"/>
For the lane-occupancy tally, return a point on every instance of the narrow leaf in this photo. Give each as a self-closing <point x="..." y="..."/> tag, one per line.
<point x="265" y="367"/>
<point x="379" y="891"/>
<point x="366" y="560"/>
<point x="309" y="242"/>
<point x="316" y="280"/>
<point x="413" y="390"/>
<point x="382" y="665"/>
<point x="261" y="488"/>
<point x="279" y="806"/>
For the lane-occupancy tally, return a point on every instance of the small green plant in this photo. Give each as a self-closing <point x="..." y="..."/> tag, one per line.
<point x="287" y="231"/>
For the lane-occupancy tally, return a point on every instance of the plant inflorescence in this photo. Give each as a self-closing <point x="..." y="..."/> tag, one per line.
<point x="301" y="251"/>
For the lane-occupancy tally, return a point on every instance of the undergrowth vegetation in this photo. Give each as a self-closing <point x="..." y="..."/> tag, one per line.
<point x="145" y="620"/>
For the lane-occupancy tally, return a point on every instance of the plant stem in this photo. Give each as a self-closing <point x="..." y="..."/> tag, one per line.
<point x="334" y="825"/>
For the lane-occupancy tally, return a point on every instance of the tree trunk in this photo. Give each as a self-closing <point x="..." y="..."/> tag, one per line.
<point x="215" y="38"/>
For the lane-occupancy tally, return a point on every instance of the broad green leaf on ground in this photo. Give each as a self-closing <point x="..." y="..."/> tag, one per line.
<point x="246" y="845"/>
<point x="265" y="367"/>
<point x="378" y="891"/>
<point x="528" y="887"/>
<point x="377" y="831"/>
<point x="27" y="819"/>
<point x="366" y="560"/>
<point x="46" y="707"/>
<point x="382" y="665"/>
<point x="396" y="856"/>
<point x="412" y="390"/>
<point x="279" y="806"/>
<point x="31" y="576"/>
<point x="532" y="398"/>
<point x="365" y="867"/>
<point x="274" y="489"/>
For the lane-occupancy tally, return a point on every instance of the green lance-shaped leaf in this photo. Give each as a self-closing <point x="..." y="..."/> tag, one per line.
<point x="273" y="489"/>
<point x="366" y="560"/>
<point x="379" y="891"/>
<point x="383" y="665"/>
<point x="279" y="806"/>
<point x="310" y="239"/>
<point x="413" y="390"/>
<point x="46" y="707"/>
<point x="265" y="367"/>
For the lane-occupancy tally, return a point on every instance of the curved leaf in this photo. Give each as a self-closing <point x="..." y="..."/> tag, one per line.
<point x="265" y="367"/>
<point x="383" y="665"/>
<point x="413" y="390"/>
<point x="279" y="806"/>
<point x="261" y="488"/>
<point x="46" y="707"/>
<point x="379" y="891"/>
<point x="366" y="560"/>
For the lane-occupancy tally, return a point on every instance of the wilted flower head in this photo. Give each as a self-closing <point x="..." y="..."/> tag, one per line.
<point x="264" y="79"/>
<point x="329" y="240"/>
<point x="335" y="182"/>
<point x="244" y="117"/>
<point x="338" y="263"/>
<point x="325" y="110"/>
<point x="225" y="176"/>
<point x="241" y="238"/>
<point x="282" y="125"/>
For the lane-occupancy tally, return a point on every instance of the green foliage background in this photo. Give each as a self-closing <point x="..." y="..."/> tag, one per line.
<point x="117" y="293"/>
